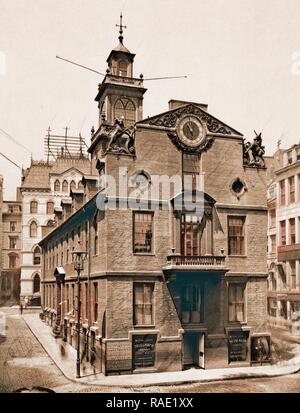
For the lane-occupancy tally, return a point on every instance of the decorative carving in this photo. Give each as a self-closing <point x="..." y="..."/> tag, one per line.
<point x="169" y="120"/>
<point x="204" y="145"/>
<point x="254" y="152"/>
<point x="121" y="139"/>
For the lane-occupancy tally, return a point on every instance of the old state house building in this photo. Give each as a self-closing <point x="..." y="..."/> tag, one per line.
<point x="164" y="288"/>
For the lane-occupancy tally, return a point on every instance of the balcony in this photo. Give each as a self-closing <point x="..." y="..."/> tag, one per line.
<point x="196" y="262"/>
<point x="288" y="252"/>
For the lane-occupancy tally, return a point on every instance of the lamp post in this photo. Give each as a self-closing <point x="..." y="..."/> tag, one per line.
<point x="79" y="255"/>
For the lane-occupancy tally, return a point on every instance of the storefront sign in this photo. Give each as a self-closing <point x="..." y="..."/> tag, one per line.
<point x="237" y="346"/>
<point x="143" y="350"/>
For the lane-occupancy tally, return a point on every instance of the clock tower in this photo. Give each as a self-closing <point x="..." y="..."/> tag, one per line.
<point x="120" y="95"/>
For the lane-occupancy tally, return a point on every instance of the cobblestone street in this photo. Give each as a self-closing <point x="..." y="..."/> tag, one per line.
<point x="25" y="364"/>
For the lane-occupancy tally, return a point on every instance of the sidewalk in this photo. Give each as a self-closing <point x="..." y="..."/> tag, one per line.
<point x="67" y="364"/>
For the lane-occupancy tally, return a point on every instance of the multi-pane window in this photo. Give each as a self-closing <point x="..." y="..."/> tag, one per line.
<point x="196" y="235"/>
<point x="293" y="275"/>
<point x="125" y="109"/>
<point x="36" y="283"/>
<point x="122" y="68"/>
<point x="12" y="226"/>
<point x="57" y="186"/>
<point x="72" y="185"/>
<point x="142" y="232"/>
<point x="95" y="315"/>
<point x="33" y="207"/>
<point x="65" y="186"/>
<point x="190" y="171"/>
<point x="236" y="302"/>
<point x="13" y="242"/>
<point x="192" y="304"/>
<point x="292" y="231"/>
<point x="282" y="233"/>
<point x="272" y="218"/>
<point x="12" y="261"/>
<point x="33" y="230"/>
<point x="236" y="235"/>
<point x="37" y="256"/>
<point x="292" y="189"/>
<point x="273" y="244"/>
<point x="282" y="192"/>
<point x="143" y="303"/>
<point x="50" y="207"/>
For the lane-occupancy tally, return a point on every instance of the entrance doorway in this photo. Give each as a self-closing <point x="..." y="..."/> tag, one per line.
<point x="193" y="350"/>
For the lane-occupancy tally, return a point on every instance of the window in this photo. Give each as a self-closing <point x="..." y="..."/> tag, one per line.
<point x="292" y="189"/>
<point x="292" y="231"/>
<point x="143" y="307"/>
<point x="57" y="186"/>
<point x="192" y="304"/>
<point x="282" y="233"/>
<point x="125" y="109"/>
<point x="73" y="298"/>
<point x="65" y="186"/>
<point x="12" y="261"/>
<point x="236" y="302"/>
<point x="13" y="226"/>
<point x="282" y="192"/>
<point x="72" y="185"/>
<point x="80" y="185"/>
<point x="95" y="302"/>
<point x="122" y="68"/>
<point x="272" y="218"/>
<point x="236" y="236"/>
<point x="293" y="274"/>
<point x="143" y="231"/>
<point x="37" y="256"/>
<point x="33" y="207"/>
<point x="190" y="171"/>
<point x="13" y="242"/>
<point x="68" y="298"/>
<point x="273" y="244"/>
<point x="196" y="236"/>
<point x="33" y="229"/>
<point x="50" y="207"/>
<point x="86" y="301"/>
<point x="36" y="284"/>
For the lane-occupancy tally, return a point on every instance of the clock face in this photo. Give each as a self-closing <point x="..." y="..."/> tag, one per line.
<point x="190" y="130"/>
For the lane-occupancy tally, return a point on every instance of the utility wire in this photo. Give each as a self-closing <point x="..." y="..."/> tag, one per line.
<point x="14" y="140"/>
<point x="4" y="156"/>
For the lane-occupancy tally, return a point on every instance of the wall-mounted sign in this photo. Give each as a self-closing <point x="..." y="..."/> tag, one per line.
<point x="237" y="346"/>
<point x="143" y="347"/>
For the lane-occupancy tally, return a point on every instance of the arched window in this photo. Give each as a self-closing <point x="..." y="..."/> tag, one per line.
<point x="33" y="230"/>
<point x="36" y="284"/>
<point x="73" y="185"/>
<point x="125" y="109"/>
<point x="122" y="68"/>
<point x="80" y="185"/>
<point x="50" y="207"/>
<point x="33" y="207"/>
<point x="65" y="186"/>
<point x="57" y="186"/>
<point x="37" y="256"/>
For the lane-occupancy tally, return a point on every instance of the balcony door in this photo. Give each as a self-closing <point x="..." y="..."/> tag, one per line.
<point x="196" y="235"/>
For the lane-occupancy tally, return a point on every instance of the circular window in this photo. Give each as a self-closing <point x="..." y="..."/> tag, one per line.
<point x="238" y="187"/>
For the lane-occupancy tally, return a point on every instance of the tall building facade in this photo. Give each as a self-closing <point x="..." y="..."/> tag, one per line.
<point x="44" y="186"/>
<point x="176" y="274"/>
<point x="284" y="235"/>
<point x="11" y="227"/>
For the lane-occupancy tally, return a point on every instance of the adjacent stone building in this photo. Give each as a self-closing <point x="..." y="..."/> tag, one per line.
<point x="10" y="249"/>
<point x="166" y="285"/>
<point x="284" y="235"/>
<point x="45" y="185"/>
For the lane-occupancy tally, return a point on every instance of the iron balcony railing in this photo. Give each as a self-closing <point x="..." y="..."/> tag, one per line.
<point x="196" y="260"/>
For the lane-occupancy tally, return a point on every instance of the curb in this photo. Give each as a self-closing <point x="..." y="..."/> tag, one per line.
<point x="242" y="376"/>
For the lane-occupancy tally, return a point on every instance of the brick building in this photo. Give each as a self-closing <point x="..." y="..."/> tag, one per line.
<point x="165" y="286"/>
<point x="10" y="248"/>
<point x="284" y="235"/>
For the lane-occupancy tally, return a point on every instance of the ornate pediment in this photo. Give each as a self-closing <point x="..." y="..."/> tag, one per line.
<point x="169" y="120"/>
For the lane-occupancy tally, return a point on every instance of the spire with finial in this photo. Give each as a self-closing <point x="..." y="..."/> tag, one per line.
<point x="121" y="27"/>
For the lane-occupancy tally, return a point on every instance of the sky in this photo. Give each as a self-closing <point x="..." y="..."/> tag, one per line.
<point x="242" y="58"/>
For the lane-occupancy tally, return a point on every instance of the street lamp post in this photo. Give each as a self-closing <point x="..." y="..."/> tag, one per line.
<point x="79" y="255"/>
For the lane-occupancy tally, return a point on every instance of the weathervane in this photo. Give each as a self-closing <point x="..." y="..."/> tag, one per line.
<point x="121" y="28"/>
